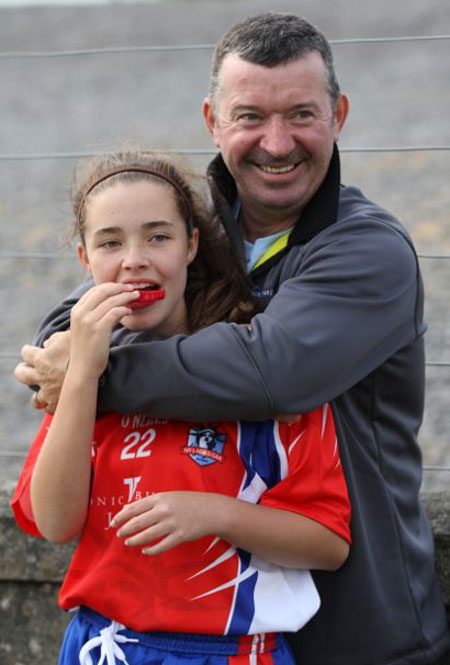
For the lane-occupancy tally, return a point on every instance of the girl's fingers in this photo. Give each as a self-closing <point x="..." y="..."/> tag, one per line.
<point x="132" y="510"/>
<point x="113" y="316"/>
<point x="171" y="540"/>
<point x="113" y="308"/>
<point x="147" y="535"/>
<point x="104" y="293"/>
<point x="101" y="291"/>
<point x="136" y="524"/>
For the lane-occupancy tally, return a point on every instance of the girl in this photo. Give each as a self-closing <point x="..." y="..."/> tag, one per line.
<point x="195" y="538"/>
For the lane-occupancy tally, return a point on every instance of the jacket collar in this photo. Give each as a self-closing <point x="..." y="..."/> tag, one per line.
<point x="320" y="212"/>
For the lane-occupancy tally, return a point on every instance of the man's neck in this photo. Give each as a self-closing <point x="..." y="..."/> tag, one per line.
<point x="254" y="226"/>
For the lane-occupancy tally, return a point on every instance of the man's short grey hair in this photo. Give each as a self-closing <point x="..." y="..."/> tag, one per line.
<point x="272" y="39"/>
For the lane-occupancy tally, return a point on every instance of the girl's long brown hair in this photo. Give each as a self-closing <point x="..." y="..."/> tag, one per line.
<point x="217" y="287"/>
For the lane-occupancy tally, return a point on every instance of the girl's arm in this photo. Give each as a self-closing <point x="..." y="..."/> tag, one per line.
<point x="301" y="521"/>
<point x="61" y="479"/>
<point x="279" y="536"/>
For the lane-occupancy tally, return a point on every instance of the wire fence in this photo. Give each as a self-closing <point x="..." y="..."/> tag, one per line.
<point x="77" y="155"/>
<point x="123" y="50"/>
<point x="208" y="152"/>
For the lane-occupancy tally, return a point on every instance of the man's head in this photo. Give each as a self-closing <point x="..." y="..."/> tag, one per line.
<point x="275" y="113"/>
<point x="272" y="39"/>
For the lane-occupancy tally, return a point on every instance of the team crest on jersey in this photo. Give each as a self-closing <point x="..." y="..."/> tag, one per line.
<point x="205" y="445"/>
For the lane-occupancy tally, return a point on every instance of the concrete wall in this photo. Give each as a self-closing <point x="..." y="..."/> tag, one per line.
<point x="31" y="624"/>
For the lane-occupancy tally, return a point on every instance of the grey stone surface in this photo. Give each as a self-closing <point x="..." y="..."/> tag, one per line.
<point x="28" y="559"/>
<point x="31" y="623"/>
<point x="31" y="571"/>
<point x="438" y="508"/>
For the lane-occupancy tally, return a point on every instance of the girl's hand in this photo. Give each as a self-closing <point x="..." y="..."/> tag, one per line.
<point x="92" y="320"/>
<point x="174" y="517"/>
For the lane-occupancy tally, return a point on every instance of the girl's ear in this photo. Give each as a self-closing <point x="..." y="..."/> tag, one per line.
<point x="83" y="257"/>
<point x="193" y="246"/>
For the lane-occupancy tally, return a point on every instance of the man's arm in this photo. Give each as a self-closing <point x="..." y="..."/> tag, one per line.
<point x="47" y="366"/>
<point x="354" y="302"/>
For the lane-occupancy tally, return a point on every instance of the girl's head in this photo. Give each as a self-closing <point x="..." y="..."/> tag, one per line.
<point x="141" y="222"/>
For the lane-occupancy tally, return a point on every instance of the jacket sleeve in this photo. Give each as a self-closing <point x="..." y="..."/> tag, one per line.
<point x="355" y="300"/>
<point x="58" y="319"/>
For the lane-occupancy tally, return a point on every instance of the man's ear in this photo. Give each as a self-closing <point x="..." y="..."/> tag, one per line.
<point x="340" y="115"/>
<point x="210" y="119"/>
<point x="83" y="257"/>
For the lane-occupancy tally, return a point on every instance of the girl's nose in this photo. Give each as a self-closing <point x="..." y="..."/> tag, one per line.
<point x="135" y="256"/>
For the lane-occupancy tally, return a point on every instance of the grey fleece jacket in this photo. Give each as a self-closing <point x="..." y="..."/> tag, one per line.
<point x="342" y="323"/>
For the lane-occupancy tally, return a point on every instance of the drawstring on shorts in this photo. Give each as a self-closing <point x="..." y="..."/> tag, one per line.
<point x="108" y="640"/>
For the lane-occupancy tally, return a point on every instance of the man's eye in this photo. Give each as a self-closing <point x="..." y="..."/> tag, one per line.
<point x="304" y="115"/>
<point x="249" y="117"/>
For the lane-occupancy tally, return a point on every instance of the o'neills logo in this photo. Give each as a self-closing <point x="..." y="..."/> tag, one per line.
<point x="140" y="420"/>
<point x="205" y="445"/>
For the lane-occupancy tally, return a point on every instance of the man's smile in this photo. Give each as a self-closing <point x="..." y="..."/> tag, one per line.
<point x="277" y="169"/>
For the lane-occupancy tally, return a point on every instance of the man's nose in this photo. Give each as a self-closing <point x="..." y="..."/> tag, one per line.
<point x="277" y="139"/>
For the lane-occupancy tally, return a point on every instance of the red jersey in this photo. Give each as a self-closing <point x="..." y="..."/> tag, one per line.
<point x="204" y="586"/>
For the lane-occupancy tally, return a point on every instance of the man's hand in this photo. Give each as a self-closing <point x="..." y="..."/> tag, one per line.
<point x="45" y="368"/>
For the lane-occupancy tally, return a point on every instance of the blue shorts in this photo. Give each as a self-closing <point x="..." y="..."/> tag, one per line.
<point x="92" y="639"/>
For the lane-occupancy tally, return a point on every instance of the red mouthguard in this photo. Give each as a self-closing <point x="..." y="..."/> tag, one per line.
<point x="147" y="297"/>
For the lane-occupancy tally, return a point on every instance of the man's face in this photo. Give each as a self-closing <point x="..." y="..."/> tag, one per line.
<point x="275" y="127"/>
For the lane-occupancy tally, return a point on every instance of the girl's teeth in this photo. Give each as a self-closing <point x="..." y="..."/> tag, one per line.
<point x="145" y="286"/>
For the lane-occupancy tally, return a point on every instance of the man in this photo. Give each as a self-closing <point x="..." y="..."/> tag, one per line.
<point x="338" y="280"/>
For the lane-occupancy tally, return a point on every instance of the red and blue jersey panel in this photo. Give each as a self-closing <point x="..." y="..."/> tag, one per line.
<point x="205" y="586"/>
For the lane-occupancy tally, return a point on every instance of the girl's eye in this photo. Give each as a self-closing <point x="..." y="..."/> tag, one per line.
<point x="110" y="244"/>
<point x="159" y="238"/>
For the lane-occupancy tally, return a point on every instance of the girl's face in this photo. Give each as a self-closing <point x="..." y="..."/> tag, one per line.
<point x="135" y="234"/>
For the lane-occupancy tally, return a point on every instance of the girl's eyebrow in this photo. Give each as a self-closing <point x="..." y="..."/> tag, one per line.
<point x="157" y="224"/>
<point x="108" y="230"/>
